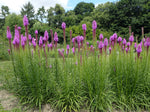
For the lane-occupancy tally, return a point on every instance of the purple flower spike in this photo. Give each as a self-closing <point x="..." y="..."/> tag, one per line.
<point x="73" y="50"/>
<point x="78" y="39"/>
<point x="101" y="37"/>
<point x="63" y="50"/>
<point x="128" y="44"/>
<point x="94" y="25"/>
<point x="50" y="66"/>
<point x="81" y="38"/>
<point x="46" y="35"/>
<point x="8" y="33"/>
<point x="63" y="25"/>
<point x="36" y="32"/>
<point x="135" y="45"/>
<point x="112" y="38"/>
<point x="101" y="45"/>
<point x="84" y="27"/>
<point x="19" y="28"/>
<point x="73" y="40"/>
<point x="25" y="21"/>
<point x="55" y="37"/>
<point x="30" y="38"/>
<point x="131" y="39"/>
<point x="68" y="47"/>
<point x="115" y="36"/>
<point x="124" y="42"/>
<point x="139" y="48"/>
<point x="119" y="39"/>
<point x="105" y="42"/>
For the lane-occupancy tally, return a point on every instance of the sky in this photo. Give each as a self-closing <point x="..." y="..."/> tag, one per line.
<point x="16" y="5"/>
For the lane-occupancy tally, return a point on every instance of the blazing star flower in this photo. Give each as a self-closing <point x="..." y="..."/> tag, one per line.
<point x="73" y="50"/>
<point x="68" y="47"/>
<point x="87" y="43"/>
<point x="50" y="45"/>
<point x="63" y="50"/>
<point x="81" y="38"/>
<point x="25" y="21"/>
<point x="84" y="27"/>
<point x="148" y="42"/>
<point x="112" y="38"/>
<point x="55" y="37"/>
<point x="94" y="25"/>
<point x="8" y="33"/>
<point x="127" y="49"/>
<point x="50" y="66"/>
<point x="128" y="44"/>
<point x="124" y="42"/>
<point x="19" y="28"/>
<point x="30" y="38"/>
<point x="73" y="40"/>
<point x="139" y="50"/>
<point x="46" y="35"/>
<point x="101" y="45"/>
<point x="135" y="45"/>
<point x="115" y="36"/>
<point x="119" y="39"/>
<point x="9" y="51"/>
<point x="36" y="32"/>
<point x="101" y="37"/>
<point x="41" y="41"/>
<point x="78" y="39"/>
<point x="105" y="42"/>
<point x="131" y="39"/>
<point x="63" y="25"/>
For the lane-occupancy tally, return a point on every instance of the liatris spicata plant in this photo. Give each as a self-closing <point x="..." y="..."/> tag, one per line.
<point x="112" y="40"/>
<point x="67" y="52"/>
<point x="100" y="46"/>
<point x="124" y="42"/>
<point x="52" y="39"/>
<point x="9" y="51"/>
<point x="34" y="43"/>
<point x="135" y="46"/>
<point x="119" y="40"/>
<point x="131" y="39"/>
<point x="105" y="44"/>
<point x="128" y="45"/>
<point x="73" y="50"/>
<point x="46" y="36"/>
<point x="139" y="50"/>
<point x="55" y="39"/>
<point x="81" y="39"/>
<point x="101" y="37"/>
<point x="115" y="37"/>
<point x="40" y="41"/>
<point x="94" y="26"/>
<point x="19" y="31"/>
<point x="84" y="31"/>
<point x="36" y="35"/>
<point x="64" y="27"/>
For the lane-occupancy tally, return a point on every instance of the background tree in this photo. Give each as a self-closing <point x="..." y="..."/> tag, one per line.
<point x="5" y="10"/>
<point x="41" y="14"/>
<point x="28" y="10"/>
<point x="50" y="16"/>
<point x="59" y="14"/>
